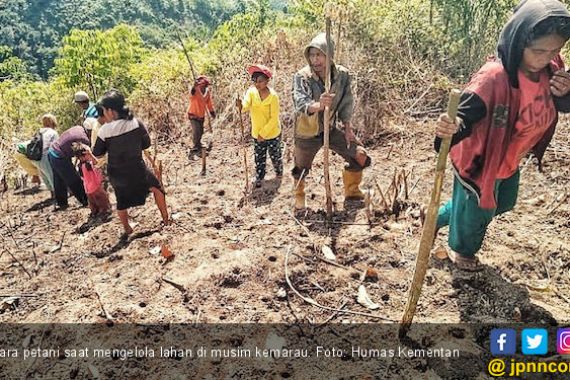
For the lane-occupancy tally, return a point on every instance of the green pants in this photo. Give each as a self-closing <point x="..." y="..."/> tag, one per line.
<point x="467" y="221"/>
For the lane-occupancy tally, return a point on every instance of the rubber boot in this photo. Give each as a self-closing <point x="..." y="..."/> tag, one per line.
<point x="299" y="191"/>
<point x="351" y="182"/>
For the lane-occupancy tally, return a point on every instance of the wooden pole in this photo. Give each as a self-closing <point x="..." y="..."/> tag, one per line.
<point x="430" y="223"/>
<point x="327" y="118"/>
<point x="337" y="57"/>
<point x="207" y="121"/>
<point x="244" y="152"/>
<point x="241" y="121"/>
<point x="203" y="172"/>
<point x="187" y="56"/>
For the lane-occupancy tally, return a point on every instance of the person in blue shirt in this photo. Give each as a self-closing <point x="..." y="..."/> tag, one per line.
<point x="88" y="109"/>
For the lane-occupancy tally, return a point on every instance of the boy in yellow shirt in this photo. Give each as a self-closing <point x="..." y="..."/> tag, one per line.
<point x="262" y="102"/>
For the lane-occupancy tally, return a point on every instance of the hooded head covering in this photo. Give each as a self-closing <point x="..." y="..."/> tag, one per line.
<point x="515" y="34"/>
<point x="319" y="42"/>
<point x="202" y="80"/>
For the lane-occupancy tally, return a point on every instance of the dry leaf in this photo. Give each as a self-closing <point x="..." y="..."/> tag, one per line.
<point x="365" y="300"/>
<point x="536" y="201"/>
<point x="27" y="341"/>
<point x="55" y="248"/>
<point x="94" y="372"/>
<point x="440" y="253"/>
<point x="10" y="303"/>
<point x="281" y="294"/>
<point x="371" y="274"/>
<point x="517" y="316"/>
<point x="166" y="253"/>
<point x="274" y="342"/>
<point x="539" y="285"/>
<point x="328" y="253"/>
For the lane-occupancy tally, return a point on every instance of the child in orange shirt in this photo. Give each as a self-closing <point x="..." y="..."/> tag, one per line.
<point x="200" y="102"/>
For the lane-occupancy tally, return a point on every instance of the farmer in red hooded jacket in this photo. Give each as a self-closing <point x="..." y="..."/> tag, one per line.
<point x="509" y="108"/>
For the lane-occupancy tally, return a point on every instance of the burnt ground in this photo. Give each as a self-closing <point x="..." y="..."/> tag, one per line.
<point x="230" y="251"/>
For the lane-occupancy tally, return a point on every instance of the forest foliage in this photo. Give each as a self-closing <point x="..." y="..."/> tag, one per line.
<point x="398" y="51"/>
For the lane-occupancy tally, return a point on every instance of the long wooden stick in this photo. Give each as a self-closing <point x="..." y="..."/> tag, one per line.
<point x="244" y="151"/>
<point x="187" y="56"/>
<point x="241" y="121"/>
<point x="203" y="172"/>
<point x="327" y="118"/>
<point x="207" y="120"/>
<point x="430" y="223"/>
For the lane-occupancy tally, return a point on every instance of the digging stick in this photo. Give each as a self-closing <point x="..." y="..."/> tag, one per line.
<point x="187" y="56"/>
<point x="241" y="121"/>
<point x="430" y="223"/>
<point x="327" y="117"/>
<point x="203" y="172"/>
<point x="207" y="121"/>
<point x="244" y="151"/>
<point x="338" y="35"/>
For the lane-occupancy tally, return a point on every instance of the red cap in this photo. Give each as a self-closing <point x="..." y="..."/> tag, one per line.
<point x="259" y="69"/>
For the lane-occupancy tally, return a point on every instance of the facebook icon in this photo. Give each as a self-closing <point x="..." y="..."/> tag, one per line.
<point x="503" y="341"/>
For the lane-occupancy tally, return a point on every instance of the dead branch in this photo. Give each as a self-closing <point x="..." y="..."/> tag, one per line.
<point x="314" y="303"/>
<point x="18" y="261"/>
<point x="175" y="284"/>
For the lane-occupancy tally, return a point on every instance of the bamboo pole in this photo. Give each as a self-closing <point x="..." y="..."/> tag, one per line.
<point x="327" y="117"/>
<point x="430" y="223"/>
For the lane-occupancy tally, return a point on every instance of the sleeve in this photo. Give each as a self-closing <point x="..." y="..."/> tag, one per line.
<point x="302" y="94"/>
<point x="91" y="112"/>
<point x="346" y="105"/>
<point x="472" y="109"/>
<point x="100" y="147"/>
<point x="273" y="122"/>
<point x="144" y="135"/>
<point x="246" y="101"/>
<point x="562" y="104"/>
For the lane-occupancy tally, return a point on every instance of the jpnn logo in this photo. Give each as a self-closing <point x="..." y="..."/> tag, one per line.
<point x="503" y="341"/>
<point x="534" y="341"/>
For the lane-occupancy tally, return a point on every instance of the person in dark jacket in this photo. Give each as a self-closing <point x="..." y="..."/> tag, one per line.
<point x="123" y="138"/>
<point x="509" y="108"/>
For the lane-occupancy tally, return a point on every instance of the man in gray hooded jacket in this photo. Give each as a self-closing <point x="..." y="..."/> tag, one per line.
<point x="310" y="100"/>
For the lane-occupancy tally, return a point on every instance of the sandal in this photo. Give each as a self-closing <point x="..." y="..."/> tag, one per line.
<point x="466" y="263"/>
<point x="125" y="235"/>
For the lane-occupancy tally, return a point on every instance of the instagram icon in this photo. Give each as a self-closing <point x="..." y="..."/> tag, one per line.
<point x="563" y="341"/>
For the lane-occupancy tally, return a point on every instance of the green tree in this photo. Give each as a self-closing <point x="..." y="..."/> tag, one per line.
<point x="11" y="67"/>
<point x="98" y="60"/>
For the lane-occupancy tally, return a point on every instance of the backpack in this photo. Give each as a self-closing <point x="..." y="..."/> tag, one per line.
<point x="35" y="148"/>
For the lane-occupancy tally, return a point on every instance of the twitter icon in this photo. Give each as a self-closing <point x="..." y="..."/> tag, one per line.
<point x="534" y="342"/>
